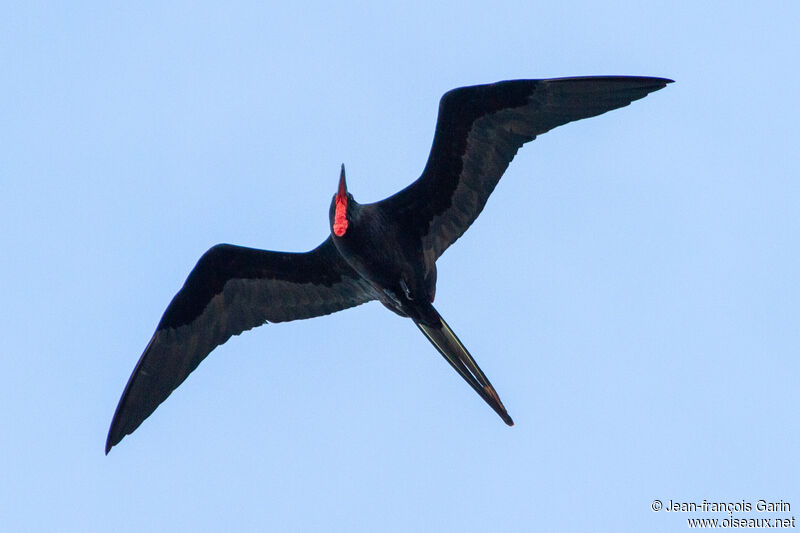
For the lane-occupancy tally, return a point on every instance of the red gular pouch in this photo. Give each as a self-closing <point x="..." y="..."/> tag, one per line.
<point x="340" y="215"/>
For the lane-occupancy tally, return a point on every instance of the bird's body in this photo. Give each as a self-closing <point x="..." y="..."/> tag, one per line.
<point x="383" y="251"/>
<point x="402" y="278"/>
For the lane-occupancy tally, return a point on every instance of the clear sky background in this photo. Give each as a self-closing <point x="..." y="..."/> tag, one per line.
<point x="631" y="288"/>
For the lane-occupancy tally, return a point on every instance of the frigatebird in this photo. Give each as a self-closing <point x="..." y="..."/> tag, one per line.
<point x="383" y="251"/>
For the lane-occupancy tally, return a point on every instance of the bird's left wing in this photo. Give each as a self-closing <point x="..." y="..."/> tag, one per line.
<point x="478" y="132"/>
<point x="232" y="289"/>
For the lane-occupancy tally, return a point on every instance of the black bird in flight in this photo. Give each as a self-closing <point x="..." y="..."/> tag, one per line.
<point x="383" y="251"/>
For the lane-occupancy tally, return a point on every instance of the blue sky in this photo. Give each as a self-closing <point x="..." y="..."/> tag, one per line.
<point x="631" y="288"/>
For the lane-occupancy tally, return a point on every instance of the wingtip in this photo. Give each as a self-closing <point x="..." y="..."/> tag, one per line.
<point x="660" y="83"/>
<point x="112" y="440"/>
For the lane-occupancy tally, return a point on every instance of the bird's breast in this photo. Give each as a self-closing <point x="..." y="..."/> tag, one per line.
<point x="373" y="247"/>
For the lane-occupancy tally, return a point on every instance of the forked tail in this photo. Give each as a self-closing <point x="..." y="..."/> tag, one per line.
<point x="460" y="359"/>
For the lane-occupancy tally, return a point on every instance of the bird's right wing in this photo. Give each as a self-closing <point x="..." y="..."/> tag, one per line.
<point x="232" y="289"/>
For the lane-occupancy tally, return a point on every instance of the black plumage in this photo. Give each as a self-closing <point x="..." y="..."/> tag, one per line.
<point x="385" y="250"/>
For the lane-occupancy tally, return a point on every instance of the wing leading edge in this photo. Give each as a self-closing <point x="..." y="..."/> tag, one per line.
<point x="478" y="132"/>
<point x="230" y="290"/>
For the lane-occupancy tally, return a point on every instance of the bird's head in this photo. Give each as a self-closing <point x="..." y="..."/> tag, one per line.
<point x="342" y="207"/>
